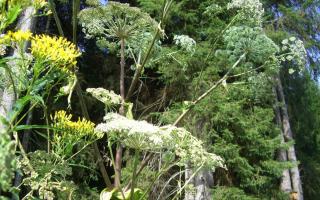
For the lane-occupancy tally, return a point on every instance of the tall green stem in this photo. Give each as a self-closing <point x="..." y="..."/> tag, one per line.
<point x="95" y="145"/>
<point x="117" y="177"/>
<point x="134" y="173"/>
<point x="137" y="74"/>
<point x="75" y="11"/>
<point x="114" y="166"/>
<point x="56" y="17"/>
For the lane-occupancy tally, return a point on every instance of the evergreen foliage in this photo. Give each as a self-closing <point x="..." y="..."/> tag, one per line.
<point x="196" y="96"/>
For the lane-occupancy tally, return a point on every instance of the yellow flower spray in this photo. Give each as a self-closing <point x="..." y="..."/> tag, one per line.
<point x="59" y="51"/>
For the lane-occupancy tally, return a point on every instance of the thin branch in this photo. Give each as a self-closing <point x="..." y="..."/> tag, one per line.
<point x="187" y="182"/>
<point x="56" y="17"/>
<point x="139" y="69"/>
<point x="134" y="173"/>
<point x="137" y="74"/>
<point x="95" y="145"/>
<point x="75" y="11"/>
<point x="204" y="95"/>
<point x="247" y="72"/>
<point x="143" y="164"/>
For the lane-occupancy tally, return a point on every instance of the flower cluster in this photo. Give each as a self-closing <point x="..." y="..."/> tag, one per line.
<point x="108" y="97"/>
<point x="59" y="51"/>
<point x="185" y="42"/>
<point x="2" y="49"/>
<point x="145" y="136"/>
<point x="17" y="37"/>
<point x="68" y="133"/>
<point x="116" y="20"/>
<point x="134" y="134"/>
<point x="251" y="10"/>
<point x="82" y="127"/>
<point x="213" y="10"/>
<point x="295" y="50"/>
<point x="252" y="41"/>
<point x="38" y="4"/>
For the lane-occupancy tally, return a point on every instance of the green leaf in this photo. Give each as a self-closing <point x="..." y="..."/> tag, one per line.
<point x="114" y="194"/>
<point x="107" y="195"/>
<point x="13" y="13"/>
<point x="28" y="127"/>
<point x="21" y="103"/>
<point x="137" y="194"/>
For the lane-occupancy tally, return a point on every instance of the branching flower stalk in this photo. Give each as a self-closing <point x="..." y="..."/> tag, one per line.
<point x="167" y="183"/>
<point x="118" y="23"/>
<point x="140" y="67"/>
<point x="204" y="95"/>
<point x="187" y="182"/>
<point x="158" y="175"/>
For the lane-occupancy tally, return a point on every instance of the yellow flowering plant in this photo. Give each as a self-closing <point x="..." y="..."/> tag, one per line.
<point x="27" y="78"/>
<point x="38" y="4"/>
<point x="69" y="133"/>
<point x="32" y="76"/>
<point x="55" y="51"/>
<point x="17" y="39"/>
<point x="18" y="36"/>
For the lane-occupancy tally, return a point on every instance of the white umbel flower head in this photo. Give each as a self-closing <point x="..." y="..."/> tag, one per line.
<point x="185" y="42"/>
<point x="250" y="10"/>
<point x="294" y="50"/>
<point x="148" y="137"/>
<point x="108" y="97"/>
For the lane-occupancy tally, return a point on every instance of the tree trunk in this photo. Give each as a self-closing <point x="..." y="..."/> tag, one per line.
<point x="288" y="135"/>
<point x="285" y="184"/>
<point x="202" y="181"/>
<point x="25" y="23"/>
<point x="201" y="184"/>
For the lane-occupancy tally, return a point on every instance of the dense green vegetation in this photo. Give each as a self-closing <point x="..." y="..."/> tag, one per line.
<point x="159" y="99"/>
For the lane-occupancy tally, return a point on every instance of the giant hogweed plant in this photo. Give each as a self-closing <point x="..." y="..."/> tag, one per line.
<point x="119" y="23"/>
<point x="246" y="48"/>
<point x="176" y="146"/>
<point x="53" y="60"/>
